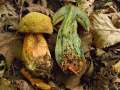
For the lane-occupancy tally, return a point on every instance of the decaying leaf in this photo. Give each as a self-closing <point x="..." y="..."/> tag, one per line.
<point x="116" y="67"/>
<point x="116" y="80"/>
<point x="107" y="7"/>
<point x="41" y="7"/>
<point x="116" y="20"/>
<point x="100" y="82"/>
<point x="23" y="85"/>
<point x="35" y="82"/>
<point x="104" y="32"/>
<point x="38" y="8"/>
<point x="8" y="16"/>
<point x="86" y="5"/>
<point x="10" y="46"/>
<point x="72" y="81"/>
<point x="6" y="84"/>
<point x="117" y="3"/>
<point x="80" y="87"/>
<point x="2" y="2"/>
<point x="86" y="40"/>
<point x="2" y="65"/>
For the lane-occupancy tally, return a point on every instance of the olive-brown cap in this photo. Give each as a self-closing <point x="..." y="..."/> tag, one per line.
<point x="35" y="22"/>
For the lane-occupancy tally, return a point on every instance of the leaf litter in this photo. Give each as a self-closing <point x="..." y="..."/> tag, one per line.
<point x="101" y="46"/>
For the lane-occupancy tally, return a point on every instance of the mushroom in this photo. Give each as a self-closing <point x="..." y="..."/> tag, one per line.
<point x="68" y="51"/>
<point x="35" y="54"/>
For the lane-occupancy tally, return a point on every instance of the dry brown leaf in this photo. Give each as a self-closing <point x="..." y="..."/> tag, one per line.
<point x="104" y="32"/>
<point x="8" y="16"/>
<point x="80" y="87"/>
<point x="116" y="19"/>
<point x="38" y="8"/>
<point x="22" y="85"/>
<point x="6" y="84"/>
<point x="42" y="8"/>
<point x="116" y="80"/>
<point x="86" y="5"/>
<point x="35" y="82"/>
<point x="2" y="2"/>
<point x="100" y="82"/>
<point x="10" y="46"/>
<point x="116" y="67"/>
<point x="86" y="39"/>
<point x="72" y="81"/>
<point x="2" y="65"/>
<point x="107" y="8"/>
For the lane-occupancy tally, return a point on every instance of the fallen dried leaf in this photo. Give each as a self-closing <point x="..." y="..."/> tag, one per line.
<point x="42" y="8"/>
<point x="6" y="84"/>
<point x="104" y="32"/>
<point x="116" y="19"/>
<point x="72" y="81"/>
<point x="116" y="67"/>
<point x="10" y="46"/>
<point x="116" y="80"/>
<point x="2" y="65"/>
<point x="2" y="2"/>
<point x="8" y="16"/>
<point x="35" y="82"/>
<point x="86" y="39"/>
<point x="86" y="5"/>
<point x="22" y="85"/>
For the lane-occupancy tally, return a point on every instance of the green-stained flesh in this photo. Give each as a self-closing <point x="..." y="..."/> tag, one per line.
<point x="68" y="51"/>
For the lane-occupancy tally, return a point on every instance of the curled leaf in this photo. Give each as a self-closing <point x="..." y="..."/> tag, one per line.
<point x="22" y="85"/>
<point x="116" y="67"/>
<point x="104" y="32"/>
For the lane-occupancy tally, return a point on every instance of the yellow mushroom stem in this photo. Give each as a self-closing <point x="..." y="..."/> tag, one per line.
<point x="36" y="54"/>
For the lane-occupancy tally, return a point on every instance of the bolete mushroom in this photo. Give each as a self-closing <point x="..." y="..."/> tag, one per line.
<point x="35" y="53"/>
<point x="68" y="51"/>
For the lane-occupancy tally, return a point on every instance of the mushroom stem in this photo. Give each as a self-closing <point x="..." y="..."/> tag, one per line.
<point x="36" y="55"/>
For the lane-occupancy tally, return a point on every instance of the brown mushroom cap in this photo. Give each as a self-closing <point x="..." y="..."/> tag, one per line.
<point x="35" y="22"/>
